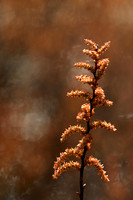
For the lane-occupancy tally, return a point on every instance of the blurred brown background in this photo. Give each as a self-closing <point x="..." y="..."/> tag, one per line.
<point x="40" y="40"/>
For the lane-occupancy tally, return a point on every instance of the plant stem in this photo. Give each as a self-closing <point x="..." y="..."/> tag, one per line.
<point x="81" y="194"/>
<point x="81" y="174"/>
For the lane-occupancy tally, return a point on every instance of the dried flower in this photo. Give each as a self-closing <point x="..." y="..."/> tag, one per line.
<point x="72" y="129"/>
<point x="85" y="79"/>
<point x="103" y="63"/>
<point x="78" y="93"/>
<point x="107" y="103"/>
<point x="102" y="66"/>
<point x="64" y="155"/>
<point x="104" y="48"/>
<point x="66" y="166"/>
<point x="81" y="116"/>
<point x="91" y="43"/>
<point x="91" y="161"/>
<point x="100" y="100"/>
<point x="104" y="124"/>
<point x="93" y="54"/>
<point x="86" y="107"/>
<point x="86" y="139"/>
<point x="99" y="93"/>
<point x="85" y="66"/>
<point x="85" y="113"/>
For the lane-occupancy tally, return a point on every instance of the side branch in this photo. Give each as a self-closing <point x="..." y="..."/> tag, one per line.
<point x="102" y="124"/>
<point x="65" y="167"/>
<point x="91" y="161"/>
<point x="71" y="130"/>
<point x="80" y="93"/>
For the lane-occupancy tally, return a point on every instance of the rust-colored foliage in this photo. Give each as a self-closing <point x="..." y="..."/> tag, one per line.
<point x="94" y="99"/>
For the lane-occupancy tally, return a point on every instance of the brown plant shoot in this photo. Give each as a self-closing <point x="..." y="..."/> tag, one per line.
<point x="94" y="99"/>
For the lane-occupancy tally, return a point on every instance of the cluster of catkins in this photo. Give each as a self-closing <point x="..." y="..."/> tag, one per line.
<point x="94" y="99"/>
